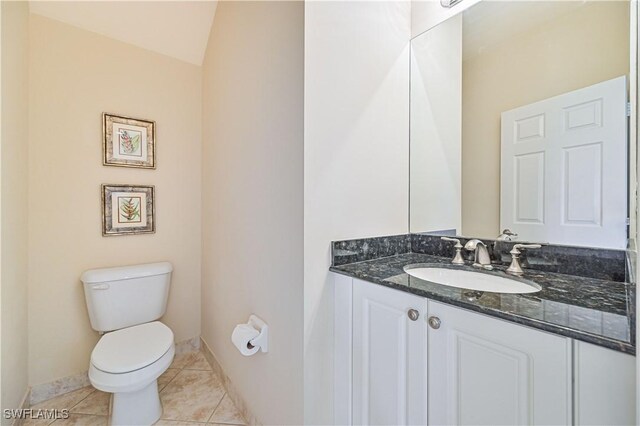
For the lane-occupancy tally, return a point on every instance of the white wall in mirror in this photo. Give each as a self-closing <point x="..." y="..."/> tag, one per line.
<point x="513" y="53"/>
<point x="436" y="118"/>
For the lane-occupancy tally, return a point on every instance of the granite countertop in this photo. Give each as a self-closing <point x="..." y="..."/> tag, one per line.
<point x="592" y="310"/>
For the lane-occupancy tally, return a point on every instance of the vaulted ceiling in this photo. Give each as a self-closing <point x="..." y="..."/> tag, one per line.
<point x="179" y="29"/>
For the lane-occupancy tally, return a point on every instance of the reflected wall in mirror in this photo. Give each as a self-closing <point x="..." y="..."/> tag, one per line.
<point x="519" y="121"/>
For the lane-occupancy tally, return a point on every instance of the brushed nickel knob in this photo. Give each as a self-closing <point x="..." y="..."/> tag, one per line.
<point x="413" y="314"/>
<point x="434" y="322"/>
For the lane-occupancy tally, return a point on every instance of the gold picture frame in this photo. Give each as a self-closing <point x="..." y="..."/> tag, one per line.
<point x="128" y="209"/>
<point x="128" y="142"/>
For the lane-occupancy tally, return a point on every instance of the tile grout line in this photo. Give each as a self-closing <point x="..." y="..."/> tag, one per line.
<point x="217" y="405"/>
<point x="78" y="403"/>
<point x="178" y="373"/>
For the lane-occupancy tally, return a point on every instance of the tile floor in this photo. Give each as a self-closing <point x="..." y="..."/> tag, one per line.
<point x="190" y="392"/>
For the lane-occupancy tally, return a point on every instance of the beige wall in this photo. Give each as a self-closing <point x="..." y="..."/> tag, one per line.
<point x="577" y="50"/>
<point x="253" y="199"/>
<point x="13" y="226"/>
<point x="76" y="75"/>
<point x="356" y="156"/>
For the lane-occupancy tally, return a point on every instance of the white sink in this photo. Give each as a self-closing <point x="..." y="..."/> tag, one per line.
<point x="472" y="280"/>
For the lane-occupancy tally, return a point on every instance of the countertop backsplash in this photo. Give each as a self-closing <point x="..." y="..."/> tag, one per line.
<point x="604" y="264"/>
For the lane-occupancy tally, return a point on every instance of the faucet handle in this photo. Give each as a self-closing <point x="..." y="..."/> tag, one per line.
<point x="515" y="268"/>
<point x="507" y="235"/>
<point x="457" y="259"/>
<point x="516" y="247"/>
<point x="455" y="240"/>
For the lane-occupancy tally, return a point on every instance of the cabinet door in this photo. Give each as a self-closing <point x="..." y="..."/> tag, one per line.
<point x="389" y="357"/>
<point x="605" y="386"/>
<point x="485" y="371"/>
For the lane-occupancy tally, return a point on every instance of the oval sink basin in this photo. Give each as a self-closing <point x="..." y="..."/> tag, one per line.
<point x="472" y="280"/>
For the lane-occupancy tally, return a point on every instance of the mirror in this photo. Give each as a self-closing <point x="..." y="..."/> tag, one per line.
<point x="519" y="121"/>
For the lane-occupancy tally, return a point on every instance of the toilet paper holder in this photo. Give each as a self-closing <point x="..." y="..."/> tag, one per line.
<point x="262" y="339"/>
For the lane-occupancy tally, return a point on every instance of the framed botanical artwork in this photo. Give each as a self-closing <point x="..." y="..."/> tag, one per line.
<point x="128" y="142"/>
<point x="128" y="209"/>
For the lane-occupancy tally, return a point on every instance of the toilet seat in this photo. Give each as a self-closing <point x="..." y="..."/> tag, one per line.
<point x="132" y="381"/>
<point x="132" y="348"/>
<point x="136" y="356"/>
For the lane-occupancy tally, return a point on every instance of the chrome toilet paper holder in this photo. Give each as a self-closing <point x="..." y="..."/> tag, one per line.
<point x="262" y="339"/>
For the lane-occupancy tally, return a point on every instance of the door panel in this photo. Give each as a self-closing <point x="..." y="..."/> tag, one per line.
<point x="529" y="194"/>
<point x="582" y="192"/>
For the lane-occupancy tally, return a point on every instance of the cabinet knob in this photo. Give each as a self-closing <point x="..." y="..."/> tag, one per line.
<point x="434" y="322"/>
<point x="413" y="314"/>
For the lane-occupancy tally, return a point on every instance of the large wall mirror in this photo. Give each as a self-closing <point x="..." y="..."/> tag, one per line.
<point x="519" y="122"/>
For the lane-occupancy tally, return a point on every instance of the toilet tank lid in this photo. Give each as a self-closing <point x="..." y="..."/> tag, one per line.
<point x="125" y="272"/>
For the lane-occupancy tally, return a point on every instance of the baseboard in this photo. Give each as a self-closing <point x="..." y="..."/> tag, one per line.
<point x="231" y="390"/>
<point x="45" y="391"/>
<point x="189" y="345"/>
<point x="24" y="404"/>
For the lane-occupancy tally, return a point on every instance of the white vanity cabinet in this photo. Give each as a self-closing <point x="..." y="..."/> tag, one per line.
<point x="487" y="371"/>
<point x="605" y="386"/>
<point x="389" y="353"/>
<point x="395" y="366"/>
<point x="472" y="369"/>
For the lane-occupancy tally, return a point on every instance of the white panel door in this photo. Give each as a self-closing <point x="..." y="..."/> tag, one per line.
<point x="389" y="357"/>
<point x="605" y="386"/>
<point x="564" y="168"/>
<point x="485" y="371"/>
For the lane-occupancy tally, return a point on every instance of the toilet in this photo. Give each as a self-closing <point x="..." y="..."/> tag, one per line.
<point x="125" y="303"/>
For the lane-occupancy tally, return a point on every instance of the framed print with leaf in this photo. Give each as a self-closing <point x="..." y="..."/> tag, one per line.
<point x="128" y="142"/>
<point x="128" y="209"/>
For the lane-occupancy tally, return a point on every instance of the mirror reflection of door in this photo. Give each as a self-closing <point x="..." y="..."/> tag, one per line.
<point x="564" y="167"/>
<point x="498" y="57"/>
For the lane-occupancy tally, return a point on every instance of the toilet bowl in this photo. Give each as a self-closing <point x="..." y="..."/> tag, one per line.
<point x="128" y="363"/>
<point x="125" y="303"/>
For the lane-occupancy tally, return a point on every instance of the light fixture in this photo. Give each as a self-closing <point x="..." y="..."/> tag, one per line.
<point x="449" y="3"/>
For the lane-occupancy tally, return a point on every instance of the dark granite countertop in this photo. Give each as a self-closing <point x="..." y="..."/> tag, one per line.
<point x="592" y="310"/>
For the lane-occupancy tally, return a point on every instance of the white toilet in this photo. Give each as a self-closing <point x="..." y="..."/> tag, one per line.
<point x="125" y="303"/>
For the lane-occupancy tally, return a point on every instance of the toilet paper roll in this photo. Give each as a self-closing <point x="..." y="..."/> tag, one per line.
<point x="242" y="334"/>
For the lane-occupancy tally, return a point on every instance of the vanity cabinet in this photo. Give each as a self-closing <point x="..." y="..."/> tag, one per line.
<point x="486" y="371"/>
<point x="389" y="354"/>
<point x="471" y="369"/>
<point x="402" y="359"/>
<point x="605" y="386"/>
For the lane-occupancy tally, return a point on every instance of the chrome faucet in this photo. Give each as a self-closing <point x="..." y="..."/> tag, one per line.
<point x="481" y="258"/>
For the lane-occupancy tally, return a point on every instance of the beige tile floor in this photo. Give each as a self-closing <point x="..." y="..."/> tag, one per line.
<point x="190" y="392"/>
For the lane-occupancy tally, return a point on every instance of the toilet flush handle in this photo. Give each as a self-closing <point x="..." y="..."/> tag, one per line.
<point x="100" y="287"/>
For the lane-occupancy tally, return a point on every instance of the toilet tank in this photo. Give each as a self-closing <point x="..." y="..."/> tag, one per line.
<point x="126" y="296"/>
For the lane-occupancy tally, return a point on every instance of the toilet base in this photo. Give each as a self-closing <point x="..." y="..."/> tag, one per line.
<point x="141" y="407"/>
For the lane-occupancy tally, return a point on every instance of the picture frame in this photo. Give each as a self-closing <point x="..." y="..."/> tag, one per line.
<point x="128" y="142"/>
<point x="128" y="209"/>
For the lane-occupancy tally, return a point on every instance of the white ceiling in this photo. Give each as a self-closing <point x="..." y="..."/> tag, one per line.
<point x="490" y="22"/>
<point x="179" y="29"/>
